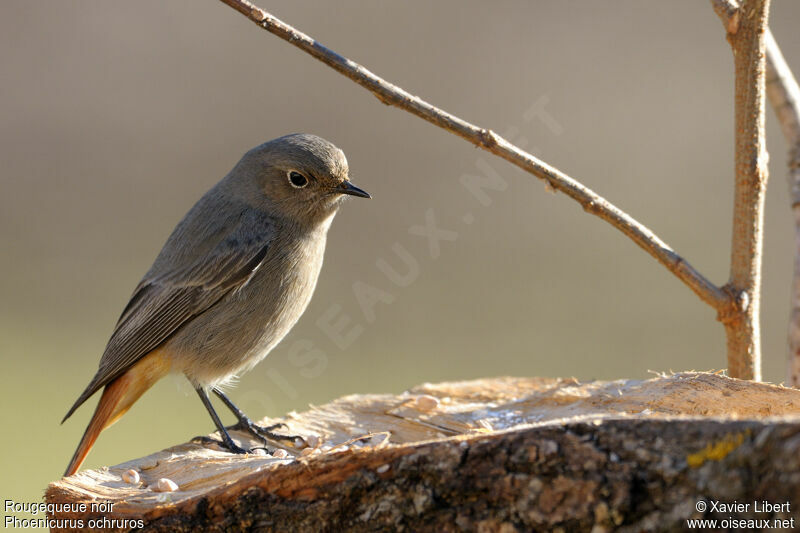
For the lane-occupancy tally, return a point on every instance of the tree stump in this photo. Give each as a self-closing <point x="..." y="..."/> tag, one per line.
<point x="505" y="454"/>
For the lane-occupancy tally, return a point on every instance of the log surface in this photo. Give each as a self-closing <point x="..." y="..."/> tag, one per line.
<point x="505" y="454"/>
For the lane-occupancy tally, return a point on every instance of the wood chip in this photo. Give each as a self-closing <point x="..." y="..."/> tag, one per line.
<point x="426" y="403"/>
<point x="164" y="485"/>
<point x="131" y="476"/>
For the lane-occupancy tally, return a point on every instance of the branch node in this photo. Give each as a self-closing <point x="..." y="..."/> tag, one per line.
<point x="738" y="303"/>
<point x="384" y="99"/>
<point x="488" y="138"/>
<point x="678" y="262"/>
<point x="742" y="301"/>
<point x="731" y="15"/>
<point x="258" y="15"/>
<point x="591" y="207"/>
<point x="761" y="168"/>
<point x="794" y="157"/>
<point x="733" y="22"/>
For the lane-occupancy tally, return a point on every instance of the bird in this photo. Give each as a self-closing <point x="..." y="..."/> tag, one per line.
<point x="232" y="279"/>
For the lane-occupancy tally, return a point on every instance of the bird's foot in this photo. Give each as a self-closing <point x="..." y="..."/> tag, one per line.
<point x="229" y="446"/>
<point x="265" y="432"/>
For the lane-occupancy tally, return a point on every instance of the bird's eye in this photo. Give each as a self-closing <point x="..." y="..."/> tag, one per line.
<point x="297" y="180"/>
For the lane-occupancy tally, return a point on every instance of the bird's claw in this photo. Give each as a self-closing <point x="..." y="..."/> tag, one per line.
<point x="231" y="446"/>
<point x="266" y="432"/>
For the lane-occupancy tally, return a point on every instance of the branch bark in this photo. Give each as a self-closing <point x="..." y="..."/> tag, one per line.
<point x="746" y="27"/>
<point x="488" y="140"/>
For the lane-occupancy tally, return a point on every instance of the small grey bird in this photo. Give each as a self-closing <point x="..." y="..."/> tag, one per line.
<point x="231" y="281"/>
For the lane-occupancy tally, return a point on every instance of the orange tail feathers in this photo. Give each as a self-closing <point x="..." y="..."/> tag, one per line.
<point x="118" y="396"/>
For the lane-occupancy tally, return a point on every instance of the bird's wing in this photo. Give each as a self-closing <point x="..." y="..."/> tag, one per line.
<point x="163" y="303"/>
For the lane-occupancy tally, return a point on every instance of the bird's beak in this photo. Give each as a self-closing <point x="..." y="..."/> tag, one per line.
<point x="348" y="188"/>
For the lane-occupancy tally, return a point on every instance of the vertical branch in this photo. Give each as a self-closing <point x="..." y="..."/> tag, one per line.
<point x="784" y="95"/>
<point x="746" y="34"/>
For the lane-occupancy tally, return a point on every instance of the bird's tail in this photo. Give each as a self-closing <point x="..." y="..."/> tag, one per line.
<point x="118" y="396"/>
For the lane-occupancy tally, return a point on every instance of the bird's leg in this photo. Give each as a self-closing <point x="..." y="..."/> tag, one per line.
<point x="227" y="441"/>
<point x="248" y="425"/>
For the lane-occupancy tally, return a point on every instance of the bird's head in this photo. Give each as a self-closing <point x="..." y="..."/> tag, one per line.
<point x="299" y="176"/>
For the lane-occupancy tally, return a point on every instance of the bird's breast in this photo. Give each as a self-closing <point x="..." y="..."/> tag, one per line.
<point x="280" y="290"/>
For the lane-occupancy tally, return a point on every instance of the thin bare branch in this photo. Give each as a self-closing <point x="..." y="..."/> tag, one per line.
<point x="491" y="142"/>
<point x="784" y="95"/>
<point x="746" y="27"/>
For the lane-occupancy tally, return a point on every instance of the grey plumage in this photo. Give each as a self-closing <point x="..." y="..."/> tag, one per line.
<point x="239" y="269"/>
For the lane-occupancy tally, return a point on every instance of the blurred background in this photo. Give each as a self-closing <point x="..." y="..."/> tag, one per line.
<point x="118" y="116"/>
